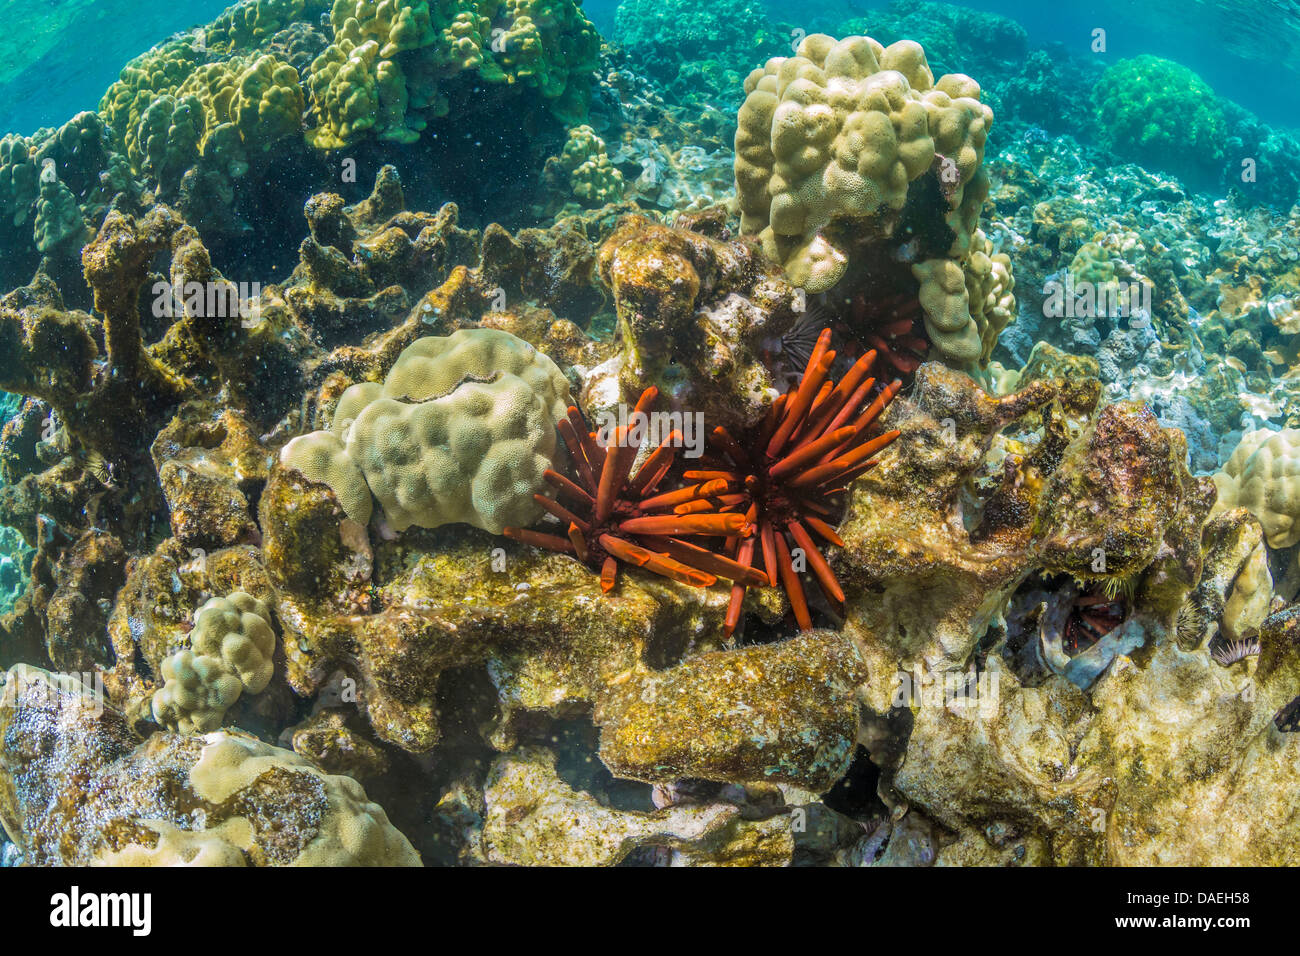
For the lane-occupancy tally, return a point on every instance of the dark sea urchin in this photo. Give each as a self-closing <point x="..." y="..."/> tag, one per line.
<point x="1093" y="614"/>
<point x="894" y="326"/>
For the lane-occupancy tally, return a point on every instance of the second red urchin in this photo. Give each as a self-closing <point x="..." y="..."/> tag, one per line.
<point x="813" y="442"/>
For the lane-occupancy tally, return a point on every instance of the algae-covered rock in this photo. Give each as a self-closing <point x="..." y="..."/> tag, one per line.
<point x="1176" y="760"/>
<point x="695" y="315"/>
<point x="209" y="463"/>
<point x="535" y="819"/>
<point x="552" y="638"/>
<point x="1058" y="502"/>
<point x="918" y="582"/>
<point x="782" y="712"/>
<point x="224" y="798"/>
<point x="1119" y="488"/>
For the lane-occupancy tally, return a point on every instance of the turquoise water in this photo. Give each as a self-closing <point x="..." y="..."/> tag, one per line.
<point x="47" y="75"/>
<point x="1246" y="49"/>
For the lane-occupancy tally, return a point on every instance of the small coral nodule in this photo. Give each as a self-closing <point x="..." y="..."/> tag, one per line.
<point x="812" y="444"/>
<point x="619" y="519"/>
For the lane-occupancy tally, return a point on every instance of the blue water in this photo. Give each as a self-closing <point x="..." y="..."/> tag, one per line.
<point x="1247" y="50"/>
<point x="88" y="55"/>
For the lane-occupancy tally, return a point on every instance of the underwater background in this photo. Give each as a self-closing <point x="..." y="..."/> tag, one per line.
<point x="323" y="326"/>
<point x="1247" y="50"/>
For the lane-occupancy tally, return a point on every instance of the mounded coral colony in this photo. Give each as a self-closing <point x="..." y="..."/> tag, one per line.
<point x="462" y="429"/>
<point x="447" y="511"/>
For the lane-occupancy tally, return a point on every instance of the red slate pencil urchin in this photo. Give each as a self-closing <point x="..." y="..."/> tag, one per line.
<point x="813" y="442"/>
<point x="894" y="326"/>
<point x="614" y="516"/>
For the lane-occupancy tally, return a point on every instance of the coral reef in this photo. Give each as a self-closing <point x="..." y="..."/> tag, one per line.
<point x="498" y="482"/>
<point x="381" y="74"/>
<point x="55" y="188"/>
<point x="1153" y="109"/>
<point x="789" y="189"/>
<point x="693" y="48"/>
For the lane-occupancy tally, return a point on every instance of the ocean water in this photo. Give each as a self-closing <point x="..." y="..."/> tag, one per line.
<point x="600" y="430"/>
<point x="47" y="75"/>
<point x="1246" y="49"/>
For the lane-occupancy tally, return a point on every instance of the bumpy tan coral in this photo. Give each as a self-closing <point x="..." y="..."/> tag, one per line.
<point x="321" y="457"/>
<point x="1263" y="476"/>
<point x="593" y="179"/>
<point x="829" y="146"/>
<point x="462" y="429"/>
<point x="230" y="652"/>
<point x="836" y="133"/>
<point x="475" y="455"/>
<point x="169" y="107"/>
<point x="196" y="693"/>
<point x="989" y="293"/>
